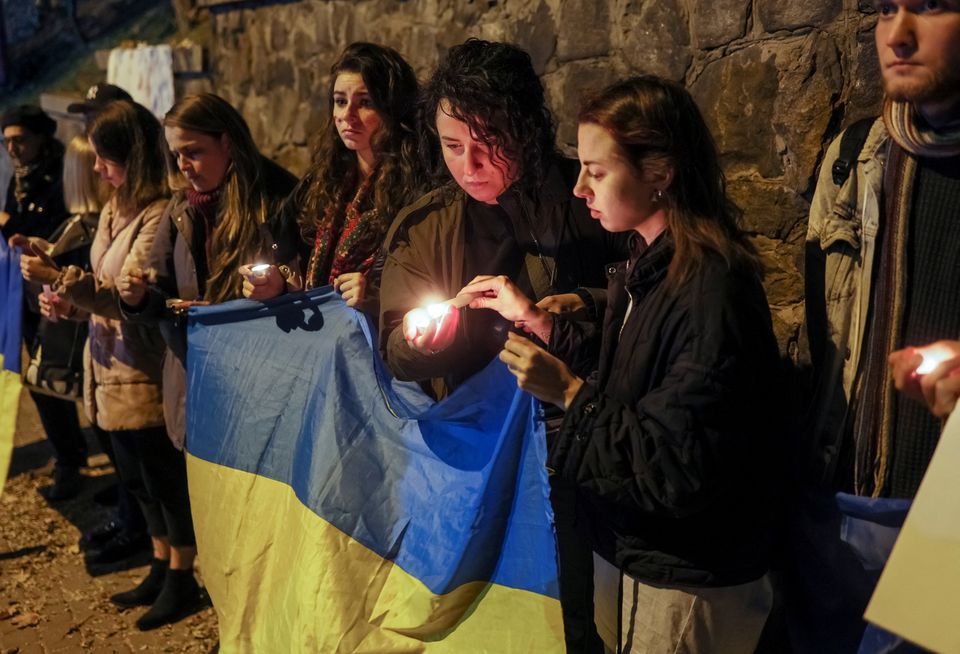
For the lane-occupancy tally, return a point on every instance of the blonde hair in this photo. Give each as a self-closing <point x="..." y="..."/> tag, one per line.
<point x="83" y="190"/>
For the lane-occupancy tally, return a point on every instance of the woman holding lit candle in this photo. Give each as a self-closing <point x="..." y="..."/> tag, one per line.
<point x="123" y="360"/>
<point x="364" y="169"/>
<point x="671" y="442"/>
<point x="502" y="205"/>
<point x="225" y="191"/>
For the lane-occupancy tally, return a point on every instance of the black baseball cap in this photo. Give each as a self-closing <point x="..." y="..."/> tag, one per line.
<point x="98" y="96"/>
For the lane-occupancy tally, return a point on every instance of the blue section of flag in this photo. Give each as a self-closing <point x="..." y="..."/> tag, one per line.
<point x="452" y="492"/>
<point x="11" y="299"/>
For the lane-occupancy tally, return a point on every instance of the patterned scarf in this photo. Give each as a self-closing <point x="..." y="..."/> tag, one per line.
<point x="347" y="240"/>
<point x="21" y="182"/>
<point x="912" y="133"/>
<point x="874" y="419"/>
<point x="874" y="415"/>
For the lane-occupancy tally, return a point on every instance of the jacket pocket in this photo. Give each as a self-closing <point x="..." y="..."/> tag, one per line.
<point x="840" y="231"/>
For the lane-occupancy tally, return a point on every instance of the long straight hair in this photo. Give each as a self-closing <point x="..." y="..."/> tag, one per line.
<point x="657" y="126"/>
<point x="334" y="171"/>
<point x="127" y="133"/>
<point x="83" y="190"/>
<point x="244" y="203"/>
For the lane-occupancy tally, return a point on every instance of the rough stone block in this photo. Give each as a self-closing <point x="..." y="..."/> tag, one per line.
<point x="718" y="22"/>
<point x="776" y="15"/>
<point x="811" y="82"/>
<point x="864" y="80"/>
<point x="566" y="86"/>
<point x="653" y="38"/>
<point x="735" y="94"/>
<point x="769" y="207"/>
<point x="583" y="29"/>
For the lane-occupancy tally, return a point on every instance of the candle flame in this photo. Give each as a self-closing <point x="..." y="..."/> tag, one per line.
<point x="933" y="356"/>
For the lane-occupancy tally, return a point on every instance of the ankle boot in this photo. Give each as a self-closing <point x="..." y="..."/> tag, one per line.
<point x="147" y="591"/>
<point x="181" y="596"/>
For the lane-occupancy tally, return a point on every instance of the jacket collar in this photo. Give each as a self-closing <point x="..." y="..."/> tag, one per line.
<point x="650" y="265"/>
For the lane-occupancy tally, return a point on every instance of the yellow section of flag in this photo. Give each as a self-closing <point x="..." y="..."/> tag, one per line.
<point x="9" y="406"/>
<point x="282" y="579"/>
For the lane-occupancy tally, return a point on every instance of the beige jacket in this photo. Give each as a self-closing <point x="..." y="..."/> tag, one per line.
<point x="122" y="360"/>
<point x="841" y="244"/>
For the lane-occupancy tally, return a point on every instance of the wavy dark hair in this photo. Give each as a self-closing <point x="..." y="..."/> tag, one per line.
<point x="334" y="172"/>
<point x="493" y="88"/>
<point x="657" y="125"/>
<point x="127" y="133"/>
<point x="244" y="200"/>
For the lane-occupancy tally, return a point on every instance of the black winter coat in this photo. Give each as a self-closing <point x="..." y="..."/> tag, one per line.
<point x="42" y="210"/>
<point x="673" y="442"/>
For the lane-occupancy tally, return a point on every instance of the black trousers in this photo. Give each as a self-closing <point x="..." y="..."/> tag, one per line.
<point x="60" y="421"/>
<point x="128" y="508"/>
<point x="155" y="472"/>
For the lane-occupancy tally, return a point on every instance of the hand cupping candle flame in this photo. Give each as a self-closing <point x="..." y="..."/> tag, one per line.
<point x="432" y="326"/>
<point x="933" y="356"/>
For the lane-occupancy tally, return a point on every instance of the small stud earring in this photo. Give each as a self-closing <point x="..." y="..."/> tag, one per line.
<point x="657" y="195"/>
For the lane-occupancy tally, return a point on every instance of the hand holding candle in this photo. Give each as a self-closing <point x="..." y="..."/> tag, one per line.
<point x="432" y="328"/>
<point x="53" y="307"/>
<point x="929" y="374"/>
<point x="133" y="281"/>
<point x="261" y="281"/>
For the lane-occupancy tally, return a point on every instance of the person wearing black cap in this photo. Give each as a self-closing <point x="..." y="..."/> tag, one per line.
<point x="98" y="96"/>
<point x="34" y="205"/>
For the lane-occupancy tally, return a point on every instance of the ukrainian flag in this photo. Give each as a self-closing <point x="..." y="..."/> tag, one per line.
<point x="338" y="510"/>
<point x="11" y="299"/>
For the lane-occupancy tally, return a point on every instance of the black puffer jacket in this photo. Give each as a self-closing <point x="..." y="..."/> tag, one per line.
<point x="673" y="442"/>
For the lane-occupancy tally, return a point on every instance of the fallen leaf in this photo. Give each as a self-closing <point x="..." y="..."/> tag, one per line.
<point x="25" y="620"/>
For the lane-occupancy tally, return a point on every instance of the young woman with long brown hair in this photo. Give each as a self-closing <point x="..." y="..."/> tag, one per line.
<point x="123" y="360"/>
<point x="225" y="193"/>
<point x="363" y="170"/>
<point x="671" y="442"/>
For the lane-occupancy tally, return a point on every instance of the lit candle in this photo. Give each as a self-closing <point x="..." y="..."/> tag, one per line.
<point x="933" y="356"/>
<point x="419" y="320"/>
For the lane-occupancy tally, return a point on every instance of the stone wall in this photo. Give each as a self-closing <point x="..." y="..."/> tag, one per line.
<point x="775" y="80"/>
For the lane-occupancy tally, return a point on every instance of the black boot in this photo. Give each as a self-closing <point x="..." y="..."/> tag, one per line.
<point x="148" y="590"/>
<point x="181" y="596"/>
<point x="67" y="482"/>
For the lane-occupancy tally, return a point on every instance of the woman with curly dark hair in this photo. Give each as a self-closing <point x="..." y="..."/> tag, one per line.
<point x="505" y="191"/>
<point x="364" y="169"/>
<point x="503" y="206"/>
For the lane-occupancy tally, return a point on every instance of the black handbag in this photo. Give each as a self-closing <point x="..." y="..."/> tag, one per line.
<point x="56" y="366"/>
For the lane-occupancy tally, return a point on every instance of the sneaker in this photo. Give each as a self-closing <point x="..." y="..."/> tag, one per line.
<point x="100" y="534"/>
<point x="66" y="484"/>
<point x="120" y="547"/>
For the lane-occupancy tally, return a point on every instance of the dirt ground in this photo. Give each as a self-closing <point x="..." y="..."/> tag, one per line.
<point x="50" y="601"/>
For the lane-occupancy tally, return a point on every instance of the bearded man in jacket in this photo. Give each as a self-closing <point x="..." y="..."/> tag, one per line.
<point x="882" y="275"/>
